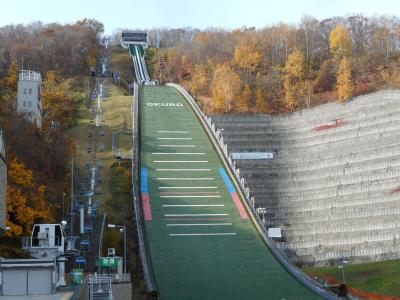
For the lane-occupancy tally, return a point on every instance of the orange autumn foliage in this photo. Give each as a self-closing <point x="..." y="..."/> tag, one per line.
<point x="26" y="200"/>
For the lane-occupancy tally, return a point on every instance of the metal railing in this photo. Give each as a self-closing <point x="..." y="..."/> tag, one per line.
<point x="150" y="282"/>
<point x="36" y="242"/>
<point x="30" y="75"/>
<point x="2" y="144"/>
<point x="100" y="287"/>
<point x="118" y="278"/>
<point x="80" y="291"/>
<point x="101" y="233"/>
<point x="239" y="182"/>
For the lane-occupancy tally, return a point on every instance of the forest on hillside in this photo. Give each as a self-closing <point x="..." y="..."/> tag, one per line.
<point x="281" y="67"/>
<point x="39" y="160"/>
<point x="276" y="69"/>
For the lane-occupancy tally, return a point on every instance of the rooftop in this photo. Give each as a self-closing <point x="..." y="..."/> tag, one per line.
<point x="29" y="75"/>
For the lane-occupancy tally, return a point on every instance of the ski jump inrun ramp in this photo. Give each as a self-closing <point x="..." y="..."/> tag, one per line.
<point x="202" y="240"/>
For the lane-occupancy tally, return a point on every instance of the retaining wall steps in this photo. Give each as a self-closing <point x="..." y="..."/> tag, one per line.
<point x="332" y="189"/>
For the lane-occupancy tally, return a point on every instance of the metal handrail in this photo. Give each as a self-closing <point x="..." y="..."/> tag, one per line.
<point x="29" y="75"/>
<point x="79" y="288"/>
<point x="150" y="282"/>
<point x="118" y="278"/>
<point x="2" y="144"/>
<point x="99" y="284"/>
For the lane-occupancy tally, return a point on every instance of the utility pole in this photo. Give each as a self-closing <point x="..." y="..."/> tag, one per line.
<point x="72" y="196"/>
<point x="161" y="66"/>
<point x="125" y="262"/>
<point x="63" y="200"/>
<point x="122" y="228"/>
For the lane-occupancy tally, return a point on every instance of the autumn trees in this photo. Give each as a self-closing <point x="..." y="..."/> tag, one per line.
<point x="38" y="159"/>
<point x="344" y="84"/>
<point x="340" y="42"/>
<point x="226" y="86"/>
<point x="294" y="76"/>
<point x="60" y="98"/>
<point x="341" y="47"/>
<point x="266" y="60"/>
<point x="26" y="200"/>
<point x="68" y="49"/>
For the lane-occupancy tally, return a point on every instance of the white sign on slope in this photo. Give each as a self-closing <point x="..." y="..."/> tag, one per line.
<point x="252" y="155"/>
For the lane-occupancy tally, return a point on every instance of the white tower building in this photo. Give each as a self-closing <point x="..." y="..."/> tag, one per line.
<point x="29" y="96"/>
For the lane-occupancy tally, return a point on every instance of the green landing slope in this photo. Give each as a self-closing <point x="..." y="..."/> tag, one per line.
<point x="200" y="246"/>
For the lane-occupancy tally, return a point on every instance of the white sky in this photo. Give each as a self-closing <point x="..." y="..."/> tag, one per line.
<point x="201" y="14"/>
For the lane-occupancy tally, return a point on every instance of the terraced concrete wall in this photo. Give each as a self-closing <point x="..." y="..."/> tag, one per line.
<point x="333" y="184"/>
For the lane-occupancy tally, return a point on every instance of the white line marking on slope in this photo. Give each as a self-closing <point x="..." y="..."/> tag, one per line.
<point x="189" y="196"/>
<point x="179" y="153"/>
<point x="172" y="131"/>
<point x="194" y="215"/>
<point x="201" y="224"/>
<point x="172" y="178"/>
<point x="180" y="161"/>
<point x="193" y="205"/>
<point x="177" y="146"/>
<point x="187" y="187"/>
<point x="174" y="138"/>
<point x="184" y="170"/>
<point x="199" y="234"/>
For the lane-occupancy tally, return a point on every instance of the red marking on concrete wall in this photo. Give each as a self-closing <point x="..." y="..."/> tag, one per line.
<point x="146" y="207"/>
<point x="396" y="190"/>
<point x="239" y="206"/>
<point x="335" y="123"/>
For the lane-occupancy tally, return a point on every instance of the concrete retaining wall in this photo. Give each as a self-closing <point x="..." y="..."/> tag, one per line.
<point x="333" y="184"/>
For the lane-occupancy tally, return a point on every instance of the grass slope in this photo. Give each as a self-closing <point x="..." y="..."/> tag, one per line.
<point x="115" y="118"/>
<point x="378" y="277"/>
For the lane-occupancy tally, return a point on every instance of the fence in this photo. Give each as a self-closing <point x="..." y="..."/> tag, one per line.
<point x="100" y="287"/>
<point x="143" y="247"/>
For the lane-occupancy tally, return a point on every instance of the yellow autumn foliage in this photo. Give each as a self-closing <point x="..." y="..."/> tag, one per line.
<point x="295" y="65"/>
<point x="344" y="81"/>
<point x="246" y="57"/>
<point x="290" y="101"/>
<point x="199" y="79"/>
<point x="340" y="42"/>
<point x="226" y="87"/>
<point x="244" y="99"/>
<point x="26" y="202"/>
<point x="261" y="104"/>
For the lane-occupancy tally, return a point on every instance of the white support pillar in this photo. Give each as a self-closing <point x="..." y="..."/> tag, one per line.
<point x="61" y="272"/>
<point x="82" y="219"/>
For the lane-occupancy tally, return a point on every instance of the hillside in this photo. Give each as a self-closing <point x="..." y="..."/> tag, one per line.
<point x="281" y="67"/>
<point x="39" y="160"/>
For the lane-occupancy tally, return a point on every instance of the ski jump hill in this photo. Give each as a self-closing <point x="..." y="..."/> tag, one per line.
<point x="198" y="236"/>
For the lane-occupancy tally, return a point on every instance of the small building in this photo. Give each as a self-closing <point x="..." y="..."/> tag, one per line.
<point x="27" y="276"/>
<point x="49" y="241"/>
<point x="29" y="96"/>
<point x="3" y="183"/>
<point x="134" y="38"/>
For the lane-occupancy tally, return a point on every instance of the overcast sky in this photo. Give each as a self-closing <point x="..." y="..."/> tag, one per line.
<point x="201" y="14"/>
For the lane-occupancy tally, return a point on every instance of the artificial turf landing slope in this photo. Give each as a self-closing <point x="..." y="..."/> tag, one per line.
<point x="201" y="245"/>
